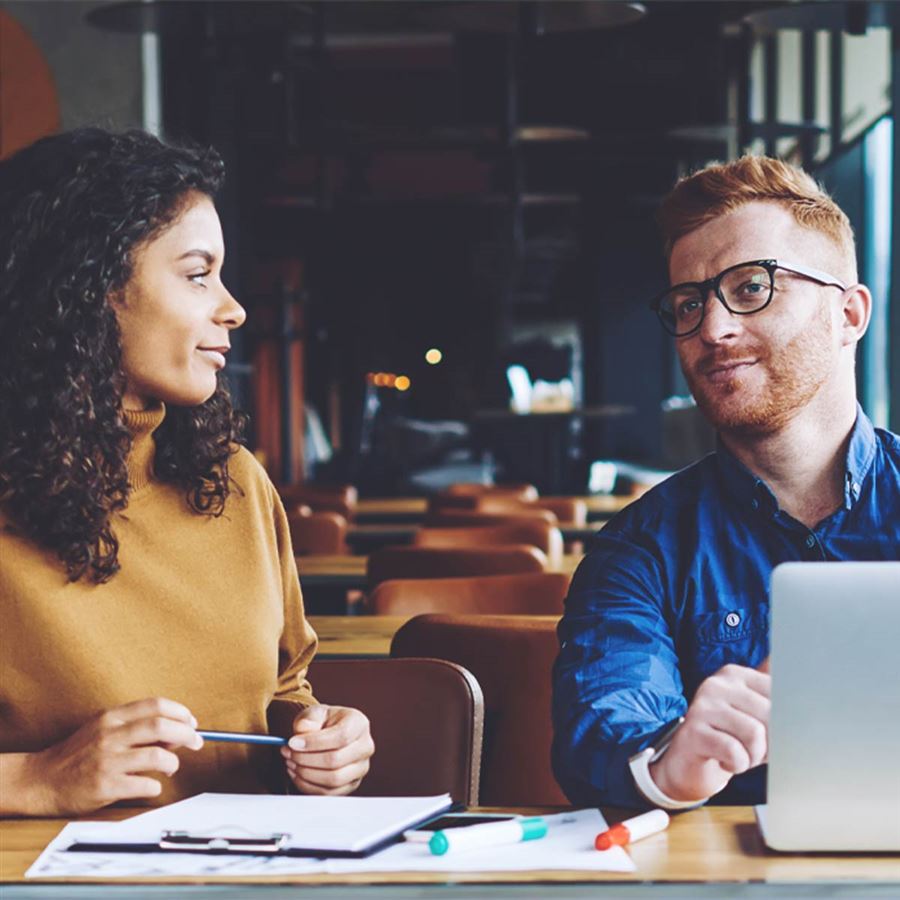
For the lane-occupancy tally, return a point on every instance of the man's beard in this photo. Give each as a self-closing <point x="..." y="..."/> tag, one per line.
<point x="796" y="371"/>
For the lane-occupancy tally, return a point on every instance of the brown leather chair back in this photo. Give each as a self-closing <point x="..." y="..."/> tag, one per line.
<point x="571" y="510"/>
<point x="441" y="562"/>
<point x="535" y="533"/>
<point x="512" y="658"/>
<point x="318" y="533"/>
<point x="339" y="498"/>
<point x="465" y="495"/>
<point x="474" y="518"/>
<point x="540" y="594"/>
<point x="426" y="716"/>
<point x="470" y="488"/>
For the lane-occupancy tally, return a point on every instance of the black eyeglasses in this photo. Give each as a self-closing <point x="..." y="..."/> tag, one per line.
<point x="743" y="289"/>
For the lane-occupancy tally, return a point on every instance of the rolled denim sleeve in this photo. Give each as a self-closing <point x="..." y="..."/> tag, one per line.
<point x="616" y="681"/>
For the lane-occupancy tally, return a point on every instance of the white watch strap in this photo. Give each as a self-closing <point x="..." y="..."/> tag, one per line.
<point x="640" y="770"/>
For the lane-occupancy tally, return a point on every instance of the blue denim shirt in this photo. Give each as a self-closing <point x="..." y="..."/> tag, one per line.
<point x="675" y="587"/>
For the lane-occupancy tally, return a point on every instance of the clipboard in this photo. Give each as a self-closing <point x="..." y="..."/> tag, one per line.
<point x="219" y="842"/>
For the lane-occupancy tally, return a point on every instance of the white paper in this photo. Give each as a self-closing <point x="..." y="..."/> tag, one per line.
<point x="569" y="844"/>
<point x="328" y="823"/>
<point x="57" y="862"/>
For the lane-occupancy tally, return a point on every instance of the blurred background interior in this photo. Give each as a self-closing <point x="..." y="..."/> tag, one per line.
<point x="439" y="215"/>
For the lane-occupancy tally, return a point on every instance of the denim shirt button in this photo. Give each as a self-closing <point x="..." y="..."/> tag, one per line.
<point x="732" y="620"/>
<point x="754" y="503"/>
<point x="811" y="541"/>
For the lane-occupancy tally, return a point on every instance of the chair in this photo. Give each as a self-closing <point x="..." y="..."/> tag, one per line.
<point x="440" y="562"/>
<point x="512" y="658"/>
<point x="534" y="594"/>
<point x="465" y="495"/>
<point x="472" y="518"/>
<point x="470" y="489"/>
<point x="340" y="498"/>
<point x="426" y="716"/>
<point x="314" y="533"/>
<point x="571" y="510"/>
<point x="535" y="533"/>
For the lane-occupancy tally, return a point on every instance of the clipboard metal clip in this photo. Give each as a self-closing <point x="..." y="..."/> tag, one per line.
<point x="184" y="840"/>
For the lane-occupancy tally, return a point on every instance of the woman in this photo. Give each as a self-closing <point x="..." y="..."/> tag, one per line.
<point x="147" y="582"/>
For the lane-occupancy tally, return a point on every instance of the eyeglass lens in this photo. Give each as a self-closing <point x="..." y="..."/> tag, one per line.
<point x="745" y="289"/>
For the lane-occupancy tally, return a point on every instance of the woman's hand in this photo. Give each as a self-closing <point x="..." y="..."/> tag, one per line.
<point x="329" y="750"/>
<point x="104" y="761"/>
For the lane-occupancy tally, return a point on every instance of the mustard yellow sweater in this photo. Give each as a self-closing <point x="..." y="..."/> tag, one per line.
<point x="206" y="611"/>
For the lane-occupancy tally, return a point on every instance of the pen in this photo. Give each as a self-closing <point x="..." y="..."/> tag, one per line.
<point x="632" y="829"/>
<point x="238" y="738"/>
<point x="488" y="834"/>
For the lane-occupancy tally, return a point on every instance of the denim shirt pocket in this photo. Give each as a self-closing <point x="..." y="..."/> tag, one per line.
<point x="731" y="634"/>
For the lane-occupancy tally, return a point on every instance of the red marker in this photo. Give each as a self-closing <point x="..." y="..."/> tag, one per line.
<point x="633" y="829"/>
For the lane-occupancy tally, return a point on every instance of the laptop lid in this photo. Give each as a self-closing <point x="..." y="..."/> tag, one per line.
<point x="834" y="729"/>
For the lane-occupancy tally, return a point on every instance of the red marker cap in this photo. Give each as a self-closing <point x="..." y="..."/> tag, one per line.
<point x="617" y="836"/>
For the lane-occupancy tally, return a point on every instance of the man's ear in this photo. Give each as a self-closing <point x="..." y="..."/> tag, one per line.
<point x="856" y="311"/>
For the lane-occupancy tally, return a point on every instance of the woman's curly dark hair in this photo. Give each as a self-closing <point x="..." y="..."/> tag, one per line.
<point x="73" y="209"/>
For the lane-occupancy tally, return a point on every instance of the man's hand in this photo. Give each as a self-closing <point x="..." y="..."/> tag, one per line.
<point x="724" y="733"/>
<point x="329" y="750"/>
<point x="106" y="760"/>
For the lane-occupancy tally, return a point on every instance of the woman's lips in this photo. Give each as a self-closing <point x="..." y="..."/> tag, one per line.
<point x="215" y="355"/>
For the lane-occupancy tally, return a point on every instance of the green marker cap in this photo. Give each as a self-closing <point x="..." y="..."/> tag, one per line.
<point x="439" y="844"/>
<point x="532" y="829"/>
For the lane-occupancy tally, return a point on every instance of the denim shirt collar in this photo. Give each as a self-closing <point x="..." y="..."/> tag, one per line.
<point x="751" y="492"/>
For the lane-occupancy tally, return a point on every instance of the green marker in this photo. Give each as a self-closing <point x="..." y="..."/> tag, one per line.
<point x="488" y="834"/>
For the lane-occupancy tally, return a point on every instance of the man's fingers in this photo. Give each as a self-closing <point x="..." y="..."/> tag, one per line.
<point x="748" y="731"/>
<point x="764" y="666"/>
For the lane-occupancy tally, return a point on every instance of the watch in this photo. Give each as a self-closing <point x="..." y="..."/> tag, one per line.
<point x="643" y="780"/>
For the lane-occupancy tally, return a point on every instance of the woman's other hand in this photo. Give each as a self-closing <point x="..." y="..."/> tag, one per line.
<point x="329" y="750"/>
<point x="108" y="759"/>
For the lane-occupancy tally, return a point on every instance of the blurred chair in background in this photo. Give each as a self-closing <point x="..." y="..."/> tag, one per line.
<point x="317" y="533"/>
<point x="512" y="658"/>
<point x="537" y="594"/>
<point x="429" y="562"/>
<point x="427" y="717"/>
<point x="340" y="498"/>
<point x="533" y="532"/>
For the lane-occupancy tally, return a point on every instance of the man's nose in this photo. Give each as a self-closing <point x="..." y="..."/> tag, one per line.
<point x="719" y="323"/>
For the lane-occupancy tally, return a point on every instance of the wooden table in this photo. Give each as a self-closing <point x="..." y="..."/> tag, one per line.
<point x="349" y="572"/>
<point x="365" y="538"/>
<point x="356" y="635"/>
<point x="708" y="846"/>
<point x="386" y="510"/>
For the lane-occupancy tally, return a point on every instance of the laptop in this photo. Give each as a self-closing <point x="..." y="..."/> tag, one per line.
<point x="834" y="729"/>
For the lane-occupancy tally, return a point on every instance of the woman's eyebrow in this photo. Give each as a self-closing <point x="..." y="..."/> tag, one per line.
<point x="205" y="254"/>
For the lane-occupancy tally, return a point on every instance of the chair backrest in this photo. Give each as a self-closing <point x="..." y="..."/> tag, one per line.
<point x="473" y="518"/>
<point x="512" y="658"/>
<point x="426" y="716"/>
<point x="533" y="532"/>
<point x="539" y="594"/>
<point x="571" y="510"/>
<point x="339" y="498"/>
<point x="318" y="533"/>
<point x="466" y="495"/>
<point x="471" y="488"/>
<point x="441" y="562"/>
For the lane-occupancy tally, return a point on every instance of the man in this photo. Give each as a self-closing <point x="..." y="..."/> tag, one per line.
<point x="667" y="616"/>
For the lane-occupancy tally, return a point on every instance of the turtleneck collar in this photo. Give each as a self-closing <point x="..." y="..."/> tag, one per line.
<point x="142" y="423"/>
